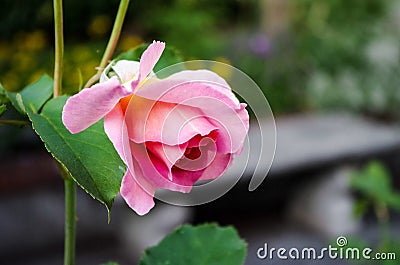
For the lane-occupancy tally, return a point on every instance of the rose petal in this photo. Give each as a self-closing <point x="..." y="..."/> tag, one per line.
<point x="148" y="60"/>
<point x="139" y="199"/>
<point x="115" y="128"/>
<point x="218" y="104"/>
<point x="199" y="157"/>
<point x="180" y="91"/>
<point x="186" y="178"/>
<point x="135" y="189"/>
<point x="91" y="104"/>
<point x="233" y="127"/>
<point x="218" y="167"/>
<point x="167" y="153"/>
<point x="167" y="123"/>
<point x="200" y="75"/>
<point x="197" y="139"/>
<point x="126" y="70"/>
<point x="154" y="169"/>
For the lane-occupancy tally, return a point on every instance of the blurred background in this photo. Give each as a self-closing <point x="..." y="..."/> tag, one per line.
<point x="330" y="70"/>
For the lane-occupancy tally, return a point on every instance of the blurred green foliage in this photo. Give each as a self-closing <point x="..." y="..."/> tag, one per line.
<point x="197" y="27"/>
<point x="329" y="53"/>
<point x="356" y="56"/>
<point x="374" y="183"/>
<point x="375" y="190"/>
<point x="26" y="16"/>
<point x="330" y="33"/>
<point x="26" y="50"/>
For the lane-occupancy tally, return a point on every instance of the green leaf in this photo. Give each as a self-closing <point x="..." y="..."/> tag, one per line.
<point x="110" y="263"/>
<point x="3" y="108"/>
<point x="33" y="96"/>
<point x="89" y="156"/>
<point x="3" y="97"/>
<point x="132" y="54"/>
<point x="169" y="56"/>
<point x="207" y="244"/>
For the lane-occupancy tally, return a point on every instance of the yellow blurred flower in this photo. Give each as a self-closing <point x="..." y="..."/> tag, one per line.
<point x="129" y="41"/>
<point x="80" y="54"/>
<point x="23" y="62"/>
<point x="99" y="26"/>
<point x="35" y="41"/>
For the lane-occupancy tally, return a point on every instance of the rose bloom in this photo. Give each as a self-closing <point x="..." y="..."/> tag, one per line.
<point x="169" y="132"/>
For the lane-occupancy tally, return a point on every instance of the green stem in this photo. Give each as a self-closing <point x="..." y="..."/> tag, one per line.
<point x="69" y="185"/>
<point x="59" y="47"/>
<point x="112" y="43"/>
<point x="15" y="122"/>
<point x="70" y="219"/>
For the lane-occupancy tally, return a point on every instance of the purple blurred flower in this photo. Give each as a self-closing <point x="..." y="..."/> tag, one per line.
<point x="260" y="44"/>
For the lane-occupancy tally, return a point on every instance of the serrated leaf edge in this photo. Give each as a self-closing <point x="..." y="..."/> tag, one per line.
<point x="59" y="161"/>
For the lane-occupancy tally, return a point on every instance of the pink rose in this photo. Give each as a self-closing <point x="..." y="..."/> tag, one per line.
<point x="169" y="132"/>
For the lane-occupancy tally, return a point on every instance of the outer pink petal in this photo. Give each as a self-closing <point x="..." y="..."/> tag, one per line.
<point x="180" y="91"/>
<point x="233" y="127"/>
<point x="200" y="75"/>
<point x="139" y="199"/>
<point x="135" y="188"/>
<point x="167" y="123"/>
<point x="115" y="128"/>
<point x="148" y="60"/>
<point x="91" y="104"/>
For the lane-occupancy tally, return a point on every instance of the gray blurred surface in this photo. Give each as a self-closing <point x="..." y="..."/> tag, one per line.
<point x="305" y="201"/>
<point x="308" y="140"/>
<point x="314" y="140"/>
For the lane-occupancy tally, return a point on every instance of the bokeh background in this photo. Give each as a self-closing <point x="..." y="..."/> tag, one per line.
<point x="330" y="70"/>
